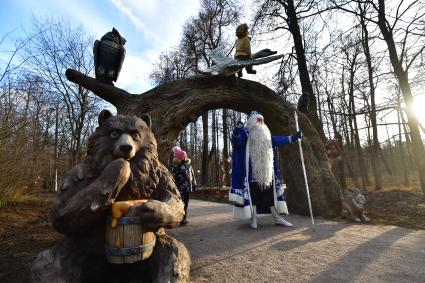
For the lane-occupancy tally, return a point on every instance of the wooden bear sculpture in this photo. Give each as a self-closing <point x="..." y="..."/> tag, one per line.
<point x="121" y="164"/>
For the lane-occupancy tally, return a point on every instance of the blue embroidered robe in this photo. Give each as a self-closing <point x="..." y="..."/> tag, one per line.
<point x="238" y="194"/>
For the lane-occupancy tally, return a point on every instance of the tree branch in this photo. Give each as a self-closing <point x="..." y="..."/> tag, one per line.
<point x="110" y="93"/>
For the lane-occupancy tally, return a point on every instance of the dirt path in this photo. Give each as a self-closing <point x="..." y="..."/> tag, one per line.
<point x="224" y="250"/>
<point x="25" y="230"/>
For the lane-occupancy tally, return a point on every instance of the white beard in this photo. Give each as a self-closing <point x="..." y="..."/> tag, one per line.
<point x="261" y="154"/>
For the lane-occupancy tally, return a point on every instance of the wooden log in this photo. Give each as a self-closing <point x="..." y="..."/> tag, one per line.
<point x="125" y="238"/>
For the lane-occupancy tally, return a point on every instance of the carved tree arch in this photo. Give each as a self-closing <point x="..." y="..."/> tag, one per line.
<point x="174" y="105"/>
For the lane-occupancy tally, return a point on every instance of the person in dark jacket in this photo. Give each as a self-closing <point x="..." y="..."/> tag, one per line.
<point x="184" y="178"/>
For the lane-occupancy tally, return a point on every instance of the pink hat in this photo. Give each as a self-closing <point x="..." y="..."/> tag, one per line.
<point x="179" y="153"/>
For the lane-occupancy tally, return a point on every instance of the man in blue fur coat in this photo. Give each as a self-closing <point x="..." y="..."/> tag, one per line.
<point x="255" y="148"/>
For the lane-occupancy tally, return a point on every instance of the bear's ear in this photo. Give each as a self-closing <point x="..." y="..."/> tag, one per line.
<point x="147" y="119"/>
<point x="103" y="116"/>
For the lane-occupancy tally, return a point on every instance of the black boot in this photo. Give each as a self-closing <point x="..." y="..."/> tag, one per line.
<point x="240" y="75"/>
<point x="250" y="70"/>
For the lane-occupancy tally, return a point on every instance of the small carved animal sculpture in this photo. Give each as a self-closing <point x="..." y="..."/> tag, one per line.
<point x="353" y="202"/>
<point x="121" y="164"/>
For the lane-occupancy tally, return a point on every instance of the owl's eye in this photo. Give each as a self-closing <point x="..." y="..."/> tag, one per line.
<point x="114" y="134"/>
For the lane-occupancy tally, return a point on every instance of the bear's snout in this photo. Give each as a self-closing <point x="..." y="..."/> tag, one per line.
<point x="125" y="147"/>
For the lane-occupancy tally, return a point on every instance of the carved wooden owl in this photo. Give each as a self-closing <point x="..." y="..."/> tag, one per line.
<point x="109" y="54"/>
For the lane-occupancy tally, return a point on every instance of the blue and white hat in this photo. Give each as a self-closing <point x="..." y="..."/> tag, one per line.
<point x="252" y="118"/>
<point x="253" y="113"/>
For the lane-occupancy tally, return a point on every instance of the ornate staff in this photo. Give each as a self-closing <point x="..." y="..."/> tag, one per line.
<point x="305" y="174"/>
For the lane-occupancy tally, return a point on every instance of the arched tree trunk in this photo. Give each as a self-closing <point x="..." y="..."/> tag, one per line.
<point x="174" y="105"/>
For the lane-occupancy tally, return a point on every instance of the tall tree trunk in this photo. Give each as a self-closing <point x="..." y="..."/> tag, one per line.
<point x="351" y="142"/>
<point x="215" y="164"/>
<point x="307" y="88"/>
<point x="385" y="162"/>
<point x="376" y="165"/>
<point x="390" y="148"/>
<point x="338" y="166"/>
<point x="403" y="161"/>
<point x="359" y="150"/>
<point x="198" y="158"/>
<point x="355" y="131"/>
<point x="192" y="142"/>
<point x="78" y="145"/>
<point x="319" y="105"/>
<point x="331" y="111"/>
<point x="408" y="143"/>
<point x="205" y="169"/>
<point x="225" y="149"/>
<point x="346" y="123"/>
<point x="212" y="158"/>
<point x="183" y="139"/>
<point x="403" y="79"/>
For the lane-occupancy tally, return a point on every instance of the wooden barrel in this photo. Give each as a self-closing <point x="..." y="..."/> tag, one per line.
<point x="125" y="239"/>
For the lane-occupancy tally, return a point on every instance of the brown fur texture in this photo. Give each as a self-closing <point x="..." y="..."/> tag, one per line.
<point x="353" y="202"/>
<point x="121" y="164"/>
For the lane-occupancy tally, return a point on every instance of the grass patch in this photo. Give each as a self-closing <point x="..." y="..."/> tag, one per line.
<point x="17" y="196"/>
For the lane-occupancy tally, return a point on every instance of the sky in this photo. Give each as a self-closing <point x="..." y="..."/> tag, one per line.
<point x="150" y="27"/>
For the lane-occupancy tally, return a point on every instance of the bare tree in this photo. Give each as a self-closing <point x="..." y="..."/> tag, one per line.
<point x="401" y="71"/>
<point x="286" y="15"/>
<point x="55" y="47"/>
<point x="13" y="63"/>
<point x="351" y="53"/>
<point x="202" y="33"/>
<point x="25" y="136"/>
<point x="170" y="66"/>
<point x="207" y="31"/>
<point x="376" y="166"/>
<point x="402" y="29"/>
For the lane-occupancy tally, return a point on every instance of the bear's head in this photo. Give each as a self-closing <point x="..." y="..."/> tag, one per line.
<point x="121" y="136"/>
